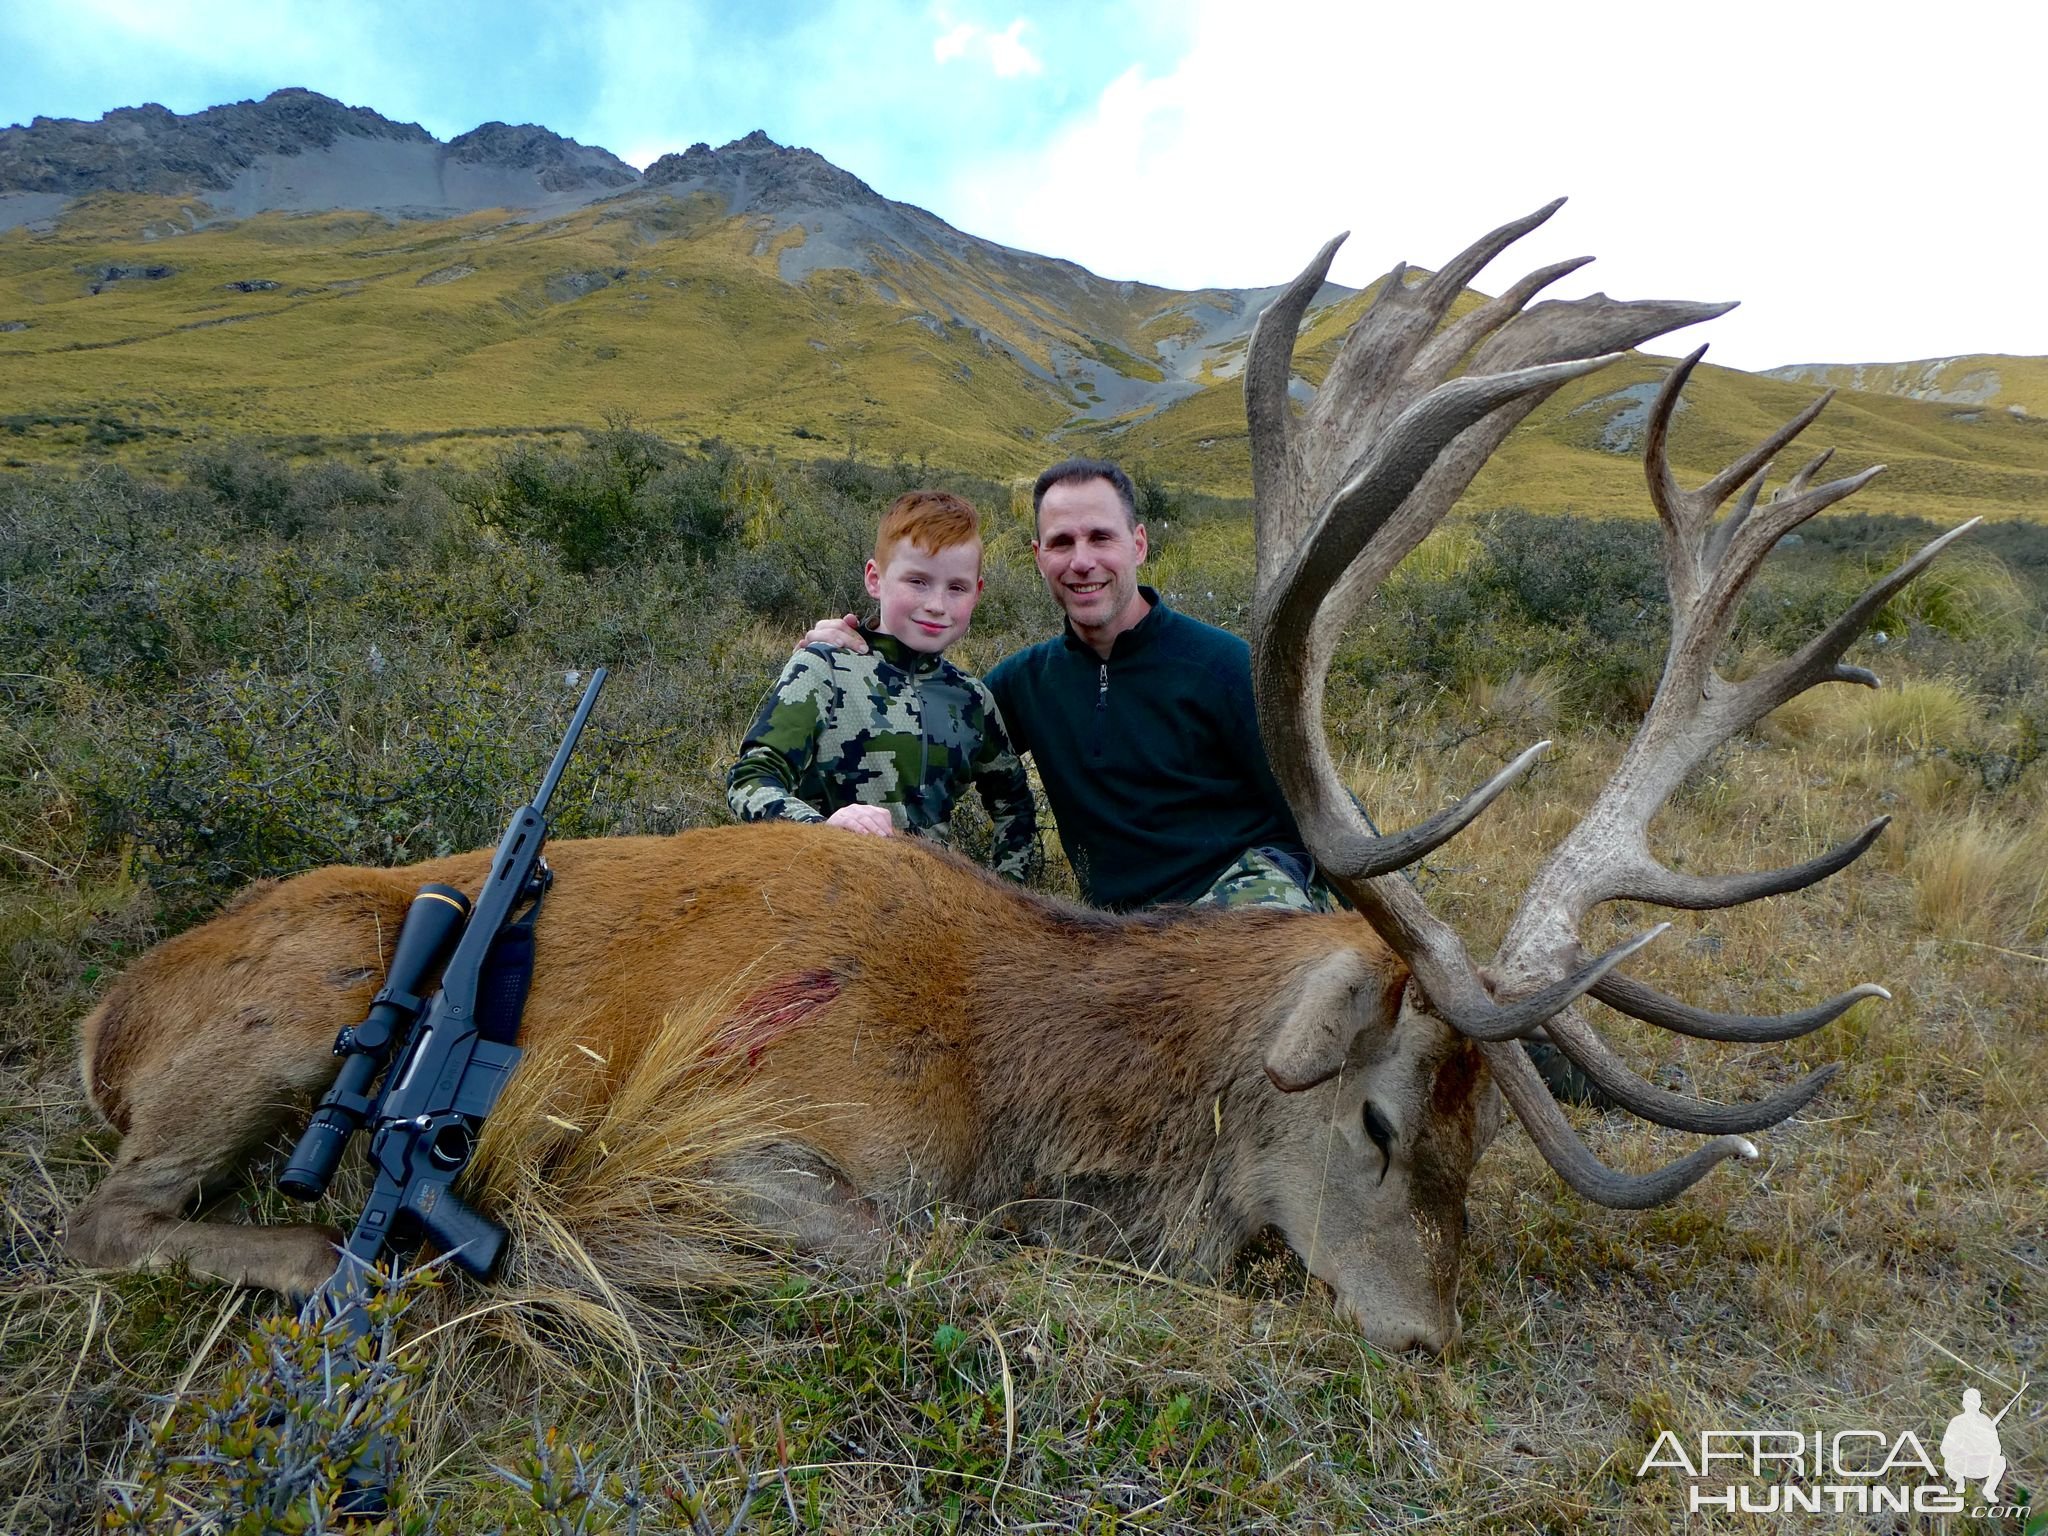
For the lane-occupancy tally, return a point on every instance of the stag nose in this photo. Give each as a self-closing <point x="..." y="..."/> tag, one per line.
<point x="1420" y="1337"/>
<point x="1400" y="1332"/>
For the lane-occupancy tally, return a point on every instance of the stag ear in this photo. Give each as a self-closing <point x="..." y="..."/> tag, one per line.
<point x="1330" y="1004"/>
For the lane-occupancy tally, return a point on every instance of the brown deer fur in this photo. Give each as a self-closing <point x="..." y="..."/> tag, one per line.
<point x="1120" y="1076"/>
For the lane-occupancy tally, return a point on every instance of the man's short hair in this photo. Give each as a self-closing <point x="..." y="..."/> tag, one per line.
<point x="930" y="520"/>
<point x="1068" y="470"/>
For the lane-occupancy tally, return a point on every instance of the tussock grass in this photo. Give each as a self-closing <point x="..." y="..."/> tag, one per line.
<point x="1970" y="594"/>
<point x="1911" y="715"/>
<point x="1448" y="552"/>
<point x="1972" y="877"/>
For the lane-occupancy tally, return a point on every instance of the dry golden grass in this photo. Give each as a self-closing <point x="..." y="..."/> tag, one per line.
<point x="1910" y="715"/>
<point x="1975" y="878"/>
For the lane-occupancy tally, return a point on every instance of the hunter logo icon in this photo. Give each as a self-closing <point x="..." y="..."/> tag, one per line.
<point x="1969" y="1446"/>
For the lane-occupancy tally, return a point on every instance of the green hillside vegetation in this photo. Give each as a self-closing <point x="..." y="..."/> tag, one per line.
<point x="435" y="342"/>
<point x="466" y="327"/>
<point x="256" y="667"/>
<point x="1980" y="381"/>
<point x="1581" y="450"/>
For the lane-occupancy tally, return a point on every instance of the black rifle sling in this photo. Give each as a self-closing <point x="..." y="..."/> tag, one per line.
<point x="507" y="976"/>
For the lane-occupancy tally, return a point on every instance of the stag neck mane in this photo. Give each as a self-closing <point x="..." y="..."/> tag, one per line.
<point x="1119" y="1071"/>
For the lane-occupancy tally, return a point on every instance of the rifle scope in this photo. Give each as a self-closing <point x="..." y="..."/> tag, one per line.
<point x="426" y="939"/>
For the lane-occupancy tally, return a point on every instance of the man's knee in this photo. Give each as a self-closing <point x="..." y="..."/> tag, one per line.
<point x="1259" y="879"/>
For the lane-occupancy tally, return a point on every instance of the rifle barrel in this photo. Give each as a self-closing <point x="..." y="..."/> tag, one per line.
<point x="568" y="746"/>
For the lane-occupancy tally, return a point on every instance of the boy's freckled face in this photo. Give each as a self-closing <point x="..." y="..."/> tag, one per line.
<point x="927" y="596"/>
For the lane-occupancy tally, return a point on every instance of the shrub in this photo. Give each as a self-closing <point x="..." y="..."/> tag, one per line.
<point x="1579" y="599"/>
<point x="268" y="1449"/>
<point x="252" y="487"/>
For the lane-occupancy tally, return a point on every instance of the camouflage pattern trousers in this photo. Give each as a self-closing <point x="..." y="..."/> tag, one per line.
<point x="1262" y="878"/>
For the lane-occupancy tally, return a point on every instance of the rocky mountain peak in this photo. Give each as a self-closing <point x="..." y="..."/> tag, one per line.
<point x="150" y="149"/>
<point x="561" y="164"/>
<point x="756" y="173"/>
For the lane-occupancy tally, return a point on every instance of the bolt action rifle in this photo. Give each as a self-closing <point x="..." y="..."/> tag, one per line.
<point x="453" y="1048"/>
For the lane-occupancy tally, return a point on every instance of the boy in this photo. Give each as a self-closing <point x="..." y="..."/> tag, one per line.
<point x="892" y="737"/>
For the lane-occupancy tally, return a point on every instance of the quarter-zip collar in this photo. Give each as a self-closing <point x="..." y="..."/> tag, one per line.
<point x="897" y="654"/>
<point x="1130" y="641"/>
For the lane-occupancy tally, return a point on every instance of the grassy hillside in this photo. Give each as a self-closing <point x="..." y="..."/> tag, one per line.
<point x="463" y="328"/>
<point x="1581" y="450"/>
<point x="425" y="342"/>
<point x="1983" y="381"/>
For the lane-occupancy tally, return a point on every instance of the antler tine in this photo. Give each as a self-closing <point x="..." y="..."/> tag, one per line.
<point x="1449" y="981"/>
<point x="1455" y="340"/>
<point x="1269" y="366"/>
<point x="1643" y="1002"/>
<point x="1818" y="660"/>
<point x="1355" y="855"/>
<point x="1681" y="1112"/>
<point x="1753" y="463"/>
<point x="1719" y="539"/>
<point x="1655" y="882"/>
<point x="1674" y="509"/>
<point x="1562" y="1149"/>
<point x="1807" y="471"/>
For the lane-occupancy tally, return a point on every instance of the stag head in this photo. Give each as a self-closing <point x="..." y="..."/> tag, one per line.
<point x="1408" y="413"/>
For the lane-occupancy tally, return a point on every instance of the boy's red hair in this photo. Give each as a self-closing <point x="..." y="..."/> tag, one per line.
<point x="930" y="520"/>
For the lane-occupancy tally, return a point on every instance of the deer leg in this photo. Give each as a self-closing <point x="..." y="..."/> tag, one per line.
<point x="793" y="1195"/>
<point x="187" y="1142"/>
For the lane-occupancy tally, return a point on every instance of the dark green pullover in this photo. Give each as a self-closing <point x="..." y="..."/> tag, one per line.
<point x="1151" y="760"/>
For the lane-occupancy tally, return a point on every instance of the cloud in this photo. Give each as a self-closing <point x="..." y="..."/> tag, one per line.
<point x="1005" y="52"/>
<point x="1844" y="192"/>
<point x="953" y="44"/>
<point x="1009" y="56"/>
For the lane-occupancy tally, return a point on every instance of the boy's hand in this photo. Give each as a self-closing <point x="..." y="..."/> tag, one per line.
<point x="871" y="819"/>
<point x="842" y="635"/>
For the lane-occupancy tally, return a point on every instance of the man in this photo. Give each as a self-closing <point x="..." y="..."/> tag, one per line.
<point x="1140" y="720"/>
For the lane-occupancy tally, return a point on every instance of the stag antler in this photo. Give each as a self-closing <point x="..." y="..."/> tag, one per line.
<point x="1347" y="488"/>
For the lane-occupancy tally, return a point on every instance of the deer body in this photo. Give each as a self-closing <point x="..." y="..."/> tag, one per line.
<point x="1109" y="1078"/>
<point x="1162" y="1085"/>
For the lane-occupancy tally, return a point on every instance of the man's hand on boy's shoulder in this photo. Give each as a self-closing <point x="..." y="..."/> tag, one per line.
<point x="871" y="819"/>
<point x="841" y="633"/>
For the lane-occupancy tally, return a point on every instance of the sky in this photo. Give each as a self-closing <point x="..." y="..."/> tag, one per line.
<point x="1866" y="178"/>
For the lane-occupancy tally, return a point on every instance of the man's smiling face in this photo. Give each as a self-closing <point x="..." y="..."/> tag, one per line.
<point x="1089" y="553"/>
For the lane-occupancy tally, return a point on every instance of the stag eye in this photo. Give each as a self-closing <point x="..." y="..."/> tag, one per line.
<point x="1382" y="1135"/>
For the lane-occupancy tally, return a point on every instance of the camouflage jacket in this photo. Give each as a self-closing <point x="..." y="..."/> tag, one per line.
<point x="892" y="728"/>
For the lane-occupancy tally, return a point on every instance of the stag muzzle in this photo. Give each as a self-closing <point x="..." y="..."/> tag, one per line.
<point x="1396" y="1317"/>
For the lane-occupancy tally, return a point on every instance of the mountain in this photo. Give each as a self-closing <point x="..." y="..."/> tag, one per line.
<point x="296" y="151"/>
<point x="317" y="276"/>
<point x="2016" y="385"/>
